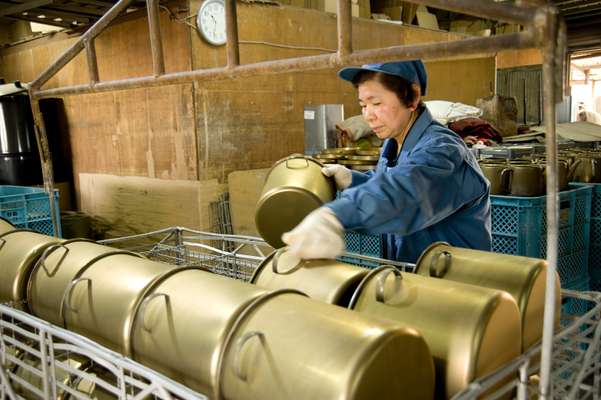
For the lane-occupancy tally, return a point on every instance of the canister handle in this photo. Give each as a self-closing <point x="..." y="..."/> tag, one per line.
<point x="276" y="258"/>
<point x="382" y="280"/>
<point x="439" y="273"/>
<point x="69" y="290"/>
<point x="509" y="172"/>
<point x="297" y="157"/>
<point x="144" y="304"/>
<point x="46" y="253"/>
<point x="2" y="243"/>
<point x="238" y="351"/>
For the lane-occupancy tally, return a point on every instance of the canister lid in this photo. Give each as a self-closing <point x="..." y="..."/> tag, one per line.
<point x="281" y="210"/>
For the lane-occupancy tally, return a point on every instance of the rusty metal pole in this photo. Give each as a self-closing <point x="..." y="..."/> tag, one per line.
<point x="231" y="25"/>
<point x="46" y="159"/>
<point x="92" y="61"/>
<point x="72" y="51"/>
<point x="427" y="51"/>
<point x="547" y="22"/>
<point x="156" y="45"/>
<point x="345" y="28"/>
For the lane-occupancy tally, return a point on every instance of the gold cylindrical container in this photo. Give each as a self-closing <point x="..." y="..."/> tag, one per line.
<point x="180" y="328"/>
<point x="471" y="330"/>
<point x="102" y="299"/>
<point x="19" y="250"/>
<point x="5" y="226"/>
<point x="523" y="278"/>
<point x="287" y="346"/>
<point x="326" y="280"/>
<point x="293" y="188"/>
<point x="55" y="270"/>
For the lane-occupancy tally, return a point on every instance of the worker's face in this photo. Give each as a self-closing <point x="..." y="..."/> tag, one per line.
<point x="382" y="109"/>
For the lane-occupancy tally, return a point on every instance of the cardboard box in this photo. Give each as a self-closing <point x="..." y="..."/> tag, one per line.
<point x="426" y="20"/>
<point x="395" y="13"/>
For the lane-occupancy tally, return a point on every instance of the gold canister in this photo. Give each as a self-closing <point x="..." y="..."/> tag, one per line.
<point x="586" y="170"/>
<point x="471" y="330"/>
<point x="343" y="151"/>
<point x="369" y="152"/>
<point x="181" y="325"/>
<point x="19" y="250"/>
<point x="294" y="187"/>
<point x="287" y="346"/>
<point x="526" y="180"/>
<point x="523" y="278"/>
<point x="55" y="270"/>
<point x="330" y="281"/>
<point x="102" y="299"/>
<point x="499" y="175"/>
<point x="5" y="226"/>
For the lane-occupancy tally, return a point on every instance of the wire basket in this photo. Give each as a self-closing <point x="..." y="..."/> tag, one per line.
<point x="229" y="255"/>
<point x="42" y="361"/>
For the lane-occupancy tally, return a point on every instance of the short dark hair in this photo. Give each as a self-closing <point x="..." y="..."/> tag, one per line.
<point x="403" y="89"/>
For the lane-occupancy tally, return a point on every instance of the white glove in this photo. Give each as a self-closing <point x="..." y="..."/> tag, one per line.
<point x="319" y="235"/>
<point x="342" y="175"/>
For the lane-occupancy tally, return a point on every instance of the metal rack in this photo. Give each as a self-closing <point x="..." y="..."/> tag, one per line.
<point x="42" y="361"/>
<point x="576" y="351"/>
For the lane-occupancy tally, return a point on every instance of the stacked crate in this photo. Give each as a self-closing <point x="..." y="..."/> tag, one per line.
<point x="519" y="227"/>
<point x="29" y="208"/>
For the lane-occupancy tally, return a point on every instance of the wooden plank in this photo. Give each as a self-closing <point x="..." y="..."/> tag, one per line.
<point x="130" y="205"/>
<point x="245" y="188"/>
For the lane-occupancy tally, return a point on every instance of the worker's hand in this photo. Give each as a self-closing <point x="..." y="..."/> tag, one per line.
<point x="342" y="175"/>
<point x="319" y="235"/>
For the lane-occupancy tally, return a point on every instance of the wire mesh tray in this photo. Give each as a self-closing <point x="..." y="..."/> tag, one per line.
<point x="42" y="361"/>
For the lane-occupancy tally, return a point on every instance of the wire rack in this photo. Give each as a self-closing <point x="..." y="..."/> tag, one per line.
<point x="42" y="361"/>
<point x="234" y="256"/>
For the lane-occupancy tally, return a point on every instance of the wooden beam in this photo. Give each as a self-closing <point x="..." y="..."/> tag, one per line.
<point x="20" y="8"/>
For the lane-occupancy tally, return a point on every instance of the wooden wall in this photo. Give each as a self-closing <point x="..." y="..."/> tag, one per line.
<point x="204" y="131"/>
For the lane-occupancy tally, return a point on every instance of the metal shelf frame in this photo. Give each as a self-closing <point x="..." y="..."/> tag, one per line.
<point x="544" y="30"/>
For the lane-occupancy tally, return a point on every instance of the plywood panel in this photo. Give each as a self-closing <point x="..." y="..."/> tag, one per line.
<point x="132" y="205"/>
<point x="519" y="58"/>
<point x="245" y="188"/>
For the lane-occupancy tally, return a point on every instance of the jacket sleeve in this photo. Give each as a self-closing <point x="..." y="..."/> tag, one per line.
<point x="431" y="184"/>
<point x="360" y="177"/>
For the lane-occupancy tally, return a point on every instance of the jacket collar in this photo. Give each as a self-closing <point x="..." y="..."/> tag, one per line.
<point x="415" y="134"/>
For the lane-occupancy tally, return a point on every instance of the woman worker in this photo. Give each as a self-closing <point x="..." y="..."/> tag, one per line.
<point x="427" y="186"/>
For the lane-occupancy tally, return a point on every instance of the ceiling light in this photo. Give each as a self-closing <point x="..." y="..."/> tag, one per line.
<point x="24" y="13"/>
<point x="41" y="16"/>
<point x="57" y="19"/>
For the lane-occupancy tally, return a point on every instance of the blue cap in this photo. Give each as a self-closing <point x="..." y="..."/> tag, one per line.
<point x="412" y="71"/>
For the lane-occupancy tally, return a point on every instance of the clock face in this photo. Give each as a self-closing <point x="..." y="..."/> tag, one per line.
<point x="211" y="21"/>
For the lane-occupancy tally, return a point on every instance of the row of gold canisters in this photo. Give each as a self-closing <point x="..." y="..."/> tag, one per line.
<point x="237" y="341"/>
<point x="221" y="337"/>
<point x="351" y="157"/>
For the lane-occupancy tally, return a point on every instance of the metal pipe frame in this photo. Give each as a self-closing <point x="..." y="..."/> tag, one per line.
<point x="543" y="32"/>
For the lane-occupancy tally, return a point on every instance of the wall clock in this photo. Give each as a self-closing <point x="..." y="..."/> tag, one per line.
<point x="211" y="21"/>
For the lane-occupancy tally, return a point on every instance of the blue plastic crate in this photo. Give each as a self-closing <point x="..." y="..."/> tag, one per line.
<point x="28" y="208"/>
<point x="367" y="245"/>
<point x="594" y="255"/>
<point x="519" y="226"/>
<point x="577" y="307"/>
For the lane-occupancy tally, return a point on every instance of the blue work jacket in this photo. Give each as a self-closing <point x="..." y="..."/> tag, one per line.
<point x="432" y="191"/>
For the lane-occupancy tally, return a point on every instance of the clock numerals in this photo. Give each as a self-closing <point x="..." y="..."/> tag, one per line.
<point x="211" y="21"/>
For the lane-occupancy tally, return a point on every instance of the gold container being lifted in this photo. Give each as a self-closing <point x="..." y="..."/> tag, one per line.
<point x="183" y="321"/>
<point x="523" y="278"/>
<point x="293" y="188"/>
<point x="471" y="330"/>
<point x="55" y="270"/>
<point x="330" y="281"/>
<point x="287" y="346"/>
<point x="19" y="251"/>
<point x="102" y="299"/>
<point x="5" y="226"/>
